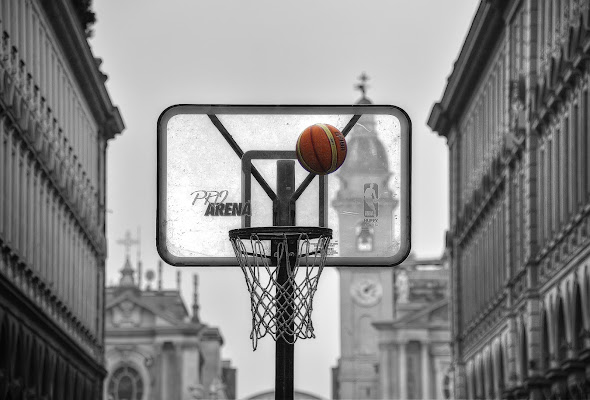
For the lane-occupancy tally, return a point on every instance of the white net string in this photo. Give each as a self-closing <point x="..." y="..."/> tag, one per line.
<point x="281" y="310"/>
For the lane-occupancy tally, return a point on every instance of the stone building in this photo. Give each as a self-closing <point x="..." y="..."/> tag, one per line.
<point x="515" y="113"/>
<point x="156" y="350"/>
<point x="56" y="118"/>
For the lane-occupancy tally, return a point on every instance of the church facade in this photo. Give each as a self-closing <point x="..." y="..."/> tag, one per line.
<point x="56" y="118"/>
<point x="414" y="343"/>
<point x="515" y="113"/>
<point x="155" y="349"/>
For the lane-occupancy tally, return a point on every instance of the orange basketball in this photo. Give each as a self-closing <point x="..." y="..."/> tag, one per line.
<point x="321" y="149"/>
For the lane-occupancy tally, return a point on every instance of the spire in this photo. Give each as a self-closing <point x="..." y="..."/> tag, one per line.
<point x="139" y="263"/>
<point x="139" y="273"/>
<point x="195" y="299"/>
<point x="159" y="275"/>
<point x="127" y="273"/>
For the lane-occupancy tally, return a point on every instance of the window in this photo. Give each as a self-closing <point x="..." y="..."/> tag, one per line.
<point x="364" y="237"/>
<point x="125" y="384"/>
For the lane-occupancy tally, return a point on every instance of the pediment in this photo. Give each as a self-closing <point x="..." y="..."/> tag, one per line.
<point x="440" y="314"/>
<point x="433" y="314"/>
<point x="128" y="311"/>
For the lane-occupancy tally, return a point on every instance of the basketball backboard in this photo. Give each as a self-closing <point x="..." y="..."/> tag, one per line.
<point x="217" y="171"/>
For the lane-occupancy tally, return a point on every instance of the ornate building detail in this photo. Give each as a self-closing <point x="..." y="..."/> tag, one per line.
<point x="125" y="383"/>
<point x="402" y="286"/>
<point x="55" y="120"/>
<point x="36" y="122"/>
<point x="155" y="349"/>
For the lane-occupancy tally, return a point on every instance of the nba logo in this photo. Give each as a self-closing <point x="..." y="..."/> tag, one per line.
<point x="371" y="203"/>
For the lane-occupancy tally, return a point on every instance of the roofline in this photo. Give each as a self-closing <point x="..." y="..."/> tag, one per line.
<point x="111" y="290"/>
<point x="84" y="65"/>
<point x="473" y="57"/>
<point x="405" y="322"/>
<point x="138" y="301"/>
<point x="185" y="330"/>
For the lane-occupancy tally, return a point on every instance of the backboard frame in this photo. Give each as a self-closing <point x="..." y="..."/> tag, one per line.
<point x="213" y="110"/>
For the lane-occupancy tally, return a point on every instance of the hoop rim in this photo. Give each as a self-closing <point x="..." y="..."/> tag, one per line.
<point x="279" y="232"/>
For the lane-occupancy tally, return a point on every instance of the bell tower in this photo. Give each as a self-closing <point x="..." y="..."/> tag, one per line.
<point x="365" y="206"/>
<point x="364" y="188"/>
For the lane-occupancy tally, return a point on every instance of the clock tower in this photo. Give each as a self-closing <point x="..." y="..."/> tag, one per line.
<point x="366" y="293"/>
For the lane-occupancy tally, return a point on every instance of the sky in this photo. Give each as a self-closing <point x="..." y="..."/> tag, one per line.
<point x="157" y="54"/>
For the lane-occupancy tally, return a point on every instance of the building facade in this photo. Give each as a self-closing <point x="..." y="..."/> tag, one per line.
<point x="394" y="332"/>
<point x="156" y="350"/>
<point x="55" y="121"/>
<point x="515" y="113"/>
<point x="414" y="350"/>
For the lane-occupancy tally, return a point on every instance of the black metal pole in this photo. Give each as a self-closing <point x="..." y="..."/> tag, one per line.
<point x="284" y="215"/>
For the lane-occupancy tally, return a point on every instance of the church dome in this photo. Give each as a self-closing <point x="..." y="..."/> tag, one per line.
<point x="366" y="154"/>
<point x="364" y="100"/>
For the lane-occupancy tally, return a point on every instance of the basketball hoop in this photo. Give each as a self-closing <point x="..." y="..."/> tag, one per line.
<point x="282" y="266"/>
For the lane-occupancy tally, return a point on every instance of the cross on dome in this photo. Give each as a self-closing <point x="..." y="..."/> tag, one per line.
<point x="127" y="242"/>
<point x="363" y="85"/>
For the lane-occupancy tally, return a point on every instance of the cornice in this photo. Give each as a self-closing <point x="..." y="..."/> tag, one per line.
<point x="211" y="334"/>
<point x="185" y="330"/>
<point x="66" y="25"/>
<point x="472" y="60"/>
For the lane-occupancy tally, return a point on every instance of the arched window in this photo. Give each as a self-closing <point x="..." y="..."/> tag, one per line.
<point x="501" y="369"/>
<point x="470" y="381"/>
<point x="491" y="393"/>
<point x="561" y="342"/>
<point x="482" y="379"/>
<point x="578" y="321"/>
<point x="4" y="344"/>
<point x="125" y="384"/>
<point x="545" y="353"/>
<point x="524" y="352"/>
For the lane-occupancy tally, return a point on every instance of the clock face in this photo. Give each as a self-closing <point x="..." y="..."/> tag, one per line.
<point x="366" y="292"/>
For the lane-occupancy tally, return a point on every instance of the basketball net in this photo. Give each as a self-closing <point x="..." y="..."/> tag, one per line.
<point x="282" y="267"/>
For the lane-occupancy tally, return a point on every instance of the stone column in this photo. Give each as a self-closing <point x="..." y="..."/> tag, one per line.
<point x="459" y="381"/>
<point x="385" y="371"/>
<point x="403" y="372"/>
<point x="389" y="371"/>
<point x="438" y="378"/>
<point x="156" y="371"/>
<point x="426" y="368"/>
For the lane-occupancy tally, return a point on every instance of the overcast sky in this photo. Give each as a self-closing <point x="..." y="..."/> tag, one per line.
<point x="160" y="53"/>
